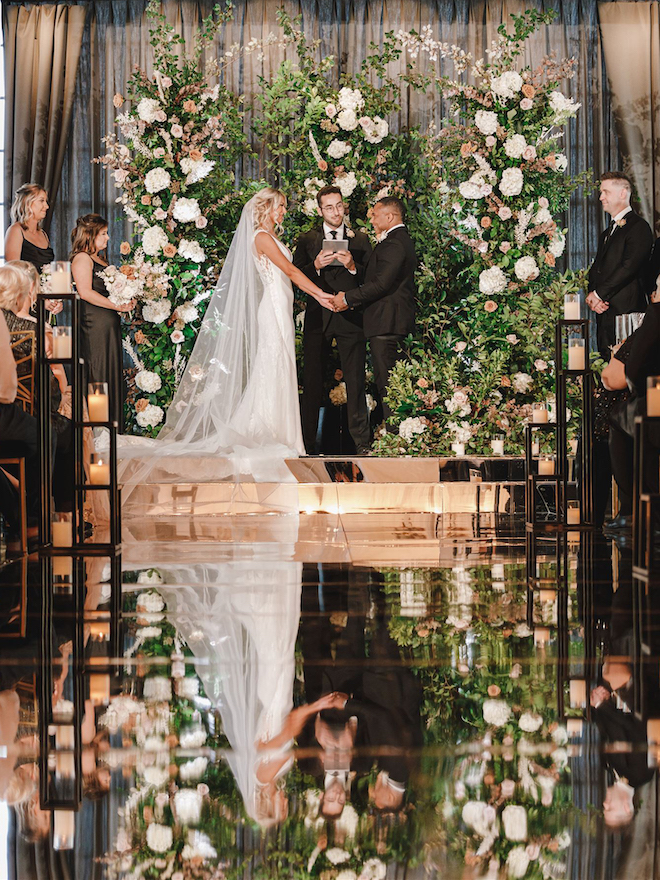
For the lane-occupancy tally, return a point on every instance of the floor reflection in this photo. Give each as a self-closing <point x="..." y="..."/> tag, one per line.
<point x="332" y="697"/>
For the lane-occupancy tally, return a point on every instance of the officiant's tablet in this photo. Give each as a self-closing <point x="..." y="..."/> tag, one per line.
<point x="335" y="244"/>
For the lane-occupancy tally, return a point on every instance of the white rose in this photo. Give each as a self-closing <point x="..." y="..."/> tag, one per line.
<point x="542" y="216"/>
<point x="512" y="338"/>
<point x="187" y="688"/>
<point x="486" y="121"/>
<point x="177" y="337"/>
<point x="522" y="382"/>
<point x="154" y="239"/>
<point x="526" y="269"/>
<point x="492" y="281"/>
<point x="557" y="245"/>
<point x="507" y="84"/>
<point x="187" y="313"/>
<point x="151" y="416"/>
<point x="337" y="856"/>
<point x="338" y="149"/>
<point x="514" y="819"/>
<point x="470" y="189"/>
<point x="193" y="770"/>
<point x="188" y="806"/>
<point x="410" y="427"/>
<point x="192" y="738"/>
<point x="156" y="776"/>
<point x="511" y="183"/>
<point x="374" y="129"/>
<point x="347" y="120"/>
<point x="159" y="837"/>
<point x="157" y="179"/>
<point x="156" y="312"/>
<point x="148" y="381"/>
<point x="540" y="365"/>
<point x="346" y="183"/>
<point x="515" y="145"/>
<point x="157" y="687"/>
<point x="148" y="109"/>
<point x="309" y="207"/>
<point x="350" y="99"/>
<point x="186" y="210"/>
<point x="496" y="712"/>
<point x="530" y="723"/>
<point x="190" y="250"/>
<point x="330" y="111"/>
<point x="196" y="169"/>
<point x="373" y="869"/>
<point x="560" y="735"/>
<point x="517" y="862"/>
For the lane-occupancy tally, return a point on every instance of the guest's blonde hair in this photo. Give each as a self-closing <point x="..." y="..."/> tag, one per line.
<point x="265" y="201"/>
<point x="15" y="283"/>
<point x="24" y="198"/>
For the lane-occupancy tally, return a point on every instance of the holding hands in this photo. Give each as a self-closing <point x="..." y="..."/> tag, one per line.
<point x="596" y="304"/>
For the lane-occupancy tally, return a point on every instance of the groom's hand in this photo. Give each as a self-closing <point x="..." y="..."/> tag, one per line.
<point x="323" y="259"/>
<point x="340" y="304"/>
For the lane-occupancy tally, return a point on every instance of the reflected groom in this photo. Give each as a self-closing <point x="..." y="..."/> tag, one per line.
<point x="322" y="326"/>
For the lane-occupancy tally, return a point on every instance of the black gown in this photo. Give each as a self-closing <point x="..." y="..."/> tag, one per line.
<point x="39" y="257"/>
<point x="100" y="340"/>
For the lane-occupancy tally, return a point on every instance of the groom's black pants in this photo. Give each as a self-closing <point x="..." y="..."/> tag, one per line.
<point x="352" y="354"/>
<point x="385" y="352"/>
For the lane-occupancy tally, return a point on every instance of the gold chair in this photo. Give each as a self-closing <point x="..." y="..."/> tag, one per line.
<point x="25" y="392"/>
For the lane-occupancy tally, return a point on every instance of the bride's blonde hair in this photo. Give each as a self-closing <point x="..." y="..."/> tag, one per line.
<point x="265" y="201"/>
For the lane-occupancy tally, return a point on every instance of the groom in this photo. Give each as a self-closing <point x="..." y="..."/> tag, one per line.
<point x="387" y="297"/>
<point x="322" y="326"/>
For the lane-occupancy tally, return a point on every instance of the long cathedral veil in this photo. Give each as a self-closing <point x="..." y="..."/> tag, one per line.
<point x="200" y="420"/>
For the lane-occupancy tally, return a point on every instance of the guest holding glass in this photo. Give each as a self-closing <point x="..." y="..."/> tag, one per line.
<point x="100" y="322"/>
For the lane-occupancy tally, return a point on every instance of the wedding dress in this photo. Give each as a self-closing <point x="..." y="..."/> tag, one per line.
<point x="236" y="410"/>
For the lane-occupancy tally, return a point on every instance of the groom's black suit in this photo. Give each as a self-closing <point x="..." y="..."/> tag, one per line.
<point x="322" y="326"/>
<point x="387" y="300"/>
<point x="617" y="274"/>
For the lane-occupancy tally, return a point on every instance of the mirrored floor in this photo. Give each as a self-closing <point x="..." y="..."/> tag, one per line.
<point x="334" y="696"/>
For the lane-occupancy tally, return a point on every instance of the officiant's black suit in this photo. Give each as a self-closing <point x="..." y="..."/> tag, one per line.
<point x="387" y="300"/>
<point x="617" y="274"/>
<point x="322" y="326"/>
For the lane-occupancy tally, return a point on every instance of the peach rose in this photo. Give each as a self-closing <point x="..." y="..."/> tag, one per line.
<point x="323" y="165"/>
<point x="201" y="222"/>
<point x="505" y="382"/>
<point x="196" y="155"/>
<point x="528" y="90"/>
<point x="146" y="199"/>
<point x="550" y="160"/>
<point x="128" y="271"/>
<point x="466" y="149"/>
<point x="494" y="690"/>
<point x="140" y="338"/>
<point x="141" y="404"/>
<point x="550" y="259"/>
<point x="490" y="306"/>
<point x="169" y="250"/>
<point x="189" y="106"/>
<point x="124" y="248"/>
<point x="423" y="383"/>
<point x="486" y="222"/>
<point x="118" y="100"/>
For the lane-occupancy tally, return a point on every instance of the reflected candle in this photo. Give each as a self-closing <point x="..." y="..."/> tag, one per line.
<point x="497" y="445"/>
<point x="64" y="828"/>
<point x="577" y="692"/>
<point x="653" y="396"/>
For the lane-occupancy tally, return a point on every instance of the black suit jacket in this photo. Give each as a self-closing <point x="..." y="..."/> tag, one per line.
<point x="621" y="263"/>
<point x="387" y="296"/>
<point x="333" y="279"/>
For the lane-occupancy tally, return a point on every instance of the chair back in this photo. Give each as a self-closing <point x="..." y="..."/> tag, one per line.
<point x="25" y="391"/>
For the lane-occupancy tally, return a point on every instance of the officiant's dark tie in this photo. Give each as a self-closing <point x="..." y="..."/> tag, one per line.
<point x="333" y="233"/>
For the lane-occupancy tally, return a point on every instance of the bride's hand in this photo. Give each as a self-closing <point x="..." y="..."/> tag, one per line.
<point x="327" y="300"/>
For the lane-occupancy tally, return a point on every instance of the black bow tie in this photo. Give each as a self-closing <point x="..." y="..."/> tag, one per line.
<point x="333" y="233"/>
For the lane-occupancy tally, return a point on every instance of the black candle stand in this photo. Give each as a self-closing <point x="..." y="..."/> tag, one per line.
<point x="533" y="478"/>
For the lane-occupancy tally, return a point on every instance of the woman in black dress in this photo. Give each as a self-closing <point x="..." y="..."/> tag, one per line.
<point x="25" y="239"/>
<point x="100" y="322"/>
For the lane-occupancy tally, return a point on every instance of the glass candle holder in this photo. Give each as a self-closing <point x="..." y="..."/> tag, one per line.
<point x="62" y="346"/>
<point x="573" y="513"/>
<point x="497" y="444"/>
<point x="577" y="693"/>
<point x="573" y="446"/>
<point x="536" y="447"/>
<point x="546" y="465"/>
<point x="64" y="829"/>
<point x="99" y="469"/>
<point x="576" y="353"/>
<point x="62" y="529"/>
<point x="539" y="414"/>
<point x="572" y="307"/>
<point x="60" y="276"/>
<point x="458" y="448"/>
<point x="98" y="405"/>
<point x="653" y="396"/>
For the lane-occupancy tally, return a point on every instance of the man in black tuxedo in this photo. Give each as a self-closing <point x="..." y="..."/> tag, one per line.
<point x="616" y="277"/>
<point x="322" y="325"/>
<point x="387" y="296"/>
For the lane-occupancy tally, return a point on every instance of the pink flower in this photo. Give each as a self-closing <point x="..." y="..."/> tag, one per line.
<point x="491" y="140"/>
<point x="423" y="383"/>
<point x="166" y="82"/>
<point x="505" y="246"/>
<point x="177" y="337"/>
<point x="161" y="116"/>
<point x="529" y="153"/>
<point x="159" y="214"/>
<point x="504" y="213"/>
<point x="460" y="346"/>
<point x="526" y="104"/>
<point x="508" y="788"/>
<point x="118" y="100"/>
<point x="120" y="175"/>
<point x="543" y="202"/>
<point x="176" y="131"/>
<point x="159" y="152"/>
<point x="201" y="222"/>
<point x="482" y="247"/>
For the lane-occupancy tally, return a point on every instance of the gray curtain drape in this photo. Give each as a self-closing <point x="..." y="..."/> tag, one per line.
<point x="115" y="40"/>
<point x="42" y="50"/>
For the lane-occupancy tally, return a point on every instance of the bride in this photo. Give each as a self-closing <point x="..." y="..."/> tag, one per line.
<point x="238" y="396"/>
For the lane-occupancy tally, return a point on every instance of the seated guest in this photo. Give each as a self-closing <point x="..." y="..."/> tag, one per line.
<point x="641" y="353"/>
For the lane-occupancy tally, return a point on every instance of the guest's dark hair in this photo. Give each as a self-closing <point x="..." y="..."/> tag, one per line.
<point x="327" y="191"/>
<point x="623" y="179"/>
<point x="394" y="205"/>
<point x="84" y="235"/>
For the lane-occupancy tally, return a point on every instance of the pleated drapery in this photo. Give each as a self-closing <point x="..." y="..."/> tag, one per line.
<point x="116" y="40"/>
<point x="42" y="50"/>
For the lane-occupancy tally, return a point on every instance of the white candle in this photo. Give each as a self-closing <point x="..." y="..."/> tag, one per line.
<point x="571" y="307"/>
<point x="99" y="473"/>
<point x="577" y="691"/>
<point x="573" y="515"/>
<point x="64" y="828"/>
<point x="458" y="448"/>
<point x="653" y="397"/>
<point x="65" y="740"/>
<point x="541" y="635"/>
<point x="536" y="447"/>
<point x="62" y="533"/>
<point x="576" y="359"/>
<point x="99" y="689"/>
<point x="97" y="406"/>
<point x="60" y="281"/>
<point x="546" y="466"/>
<point x="497" y="446"/>
<point x="574" y="726"/>
<point x="62" y="343"/>
<point x="497" y="571"/>
<point x="539" y="414"/>
<point x="653" y="730"/>
<point x="546" y="596"/>
<point x="100" y="629"/>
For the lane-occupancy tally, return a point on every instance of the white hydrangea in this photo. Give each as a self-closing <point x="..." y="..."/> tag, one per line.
<point x="156" y="776"/>
<point x="186" y="210"/>
<point x="157" y="311"/>
<point x="186" y="312"/>
<point x="492" y="281"/>
<point x="346" y="183"/>
<point x="157" y="687"/>
<point x="526" y="269"/>
<point x="530" y="723"/>
<point x="410" y="427"/>
<point x="373" y="869"/>
<point x="151" y="416"/>
<point x="515" y="146"/>
<point x="337" y="856"/>
<point x="350" y="99"/>
<point x="148" y="109"/>
<point x="514" y="819"/>
<point x="564" y="108"/>
<point x="148" y="381"/>
<point x="154" y="239"/>
<point x="561" y="162"/>
<point x="347" y="119"/>
<point x="309" y="207"/>
<point x="338" y="149"/>
<point x="193" y="770"/>
<point x="479" y="816"/>
<point x="517" y="862"/>
<point x="191" y="250"/>
<point x="522" y="382"/>
<point x="563" y="840"/>
<point x="560" y="735"/>
<point x="188" y="806"/>
<point x="557" y="245"/>
<point x="506" y="85"/>
<point x="196" y="169"/>
<point x="157" y="179"/>
<point x="496" y="712"/>
<point x="150" y="576"/>
<point x="375" y="129"/>
<point x="198" y="846"/>
<point x="159" y="837"/>
<point x="471" y="189"/>
<point x="511" y="183"/>
<point x="192" y="738"/>
<point x="187" y="688"/>
<point x="486" y="121"/>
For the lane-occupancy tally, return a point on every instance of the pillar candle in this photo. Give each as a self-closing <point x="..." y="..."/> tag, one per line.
<point x="577" y="691"/>
<point x="573" y="515"/>
<point x="60" y="281"/>
<point x="64" y="828"/>
<point x="99" y="689"/>
<point x="576" y="358"/>
<point x="653" y="400"/>
<point x="571" y="307"/>
<point x="541" y="635"/>
<point x="539" y="415"/>
<point x="546" y="466"/>
<point x="62" y="343"/>
<point x="97" y="406"/>
<point x="99" y="472"/>
<point x="62" y="533"/>
<point x="497" y="446"/>
<point x="458" y="448"/>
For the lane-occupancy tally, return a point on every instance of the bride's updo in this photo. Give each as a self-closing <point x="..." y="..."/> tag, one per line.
<point x="264" y="203"/>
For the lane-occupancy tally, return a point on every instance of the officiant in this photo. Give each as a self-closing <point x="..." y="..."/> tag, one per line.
<point x="333" y="270"/>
